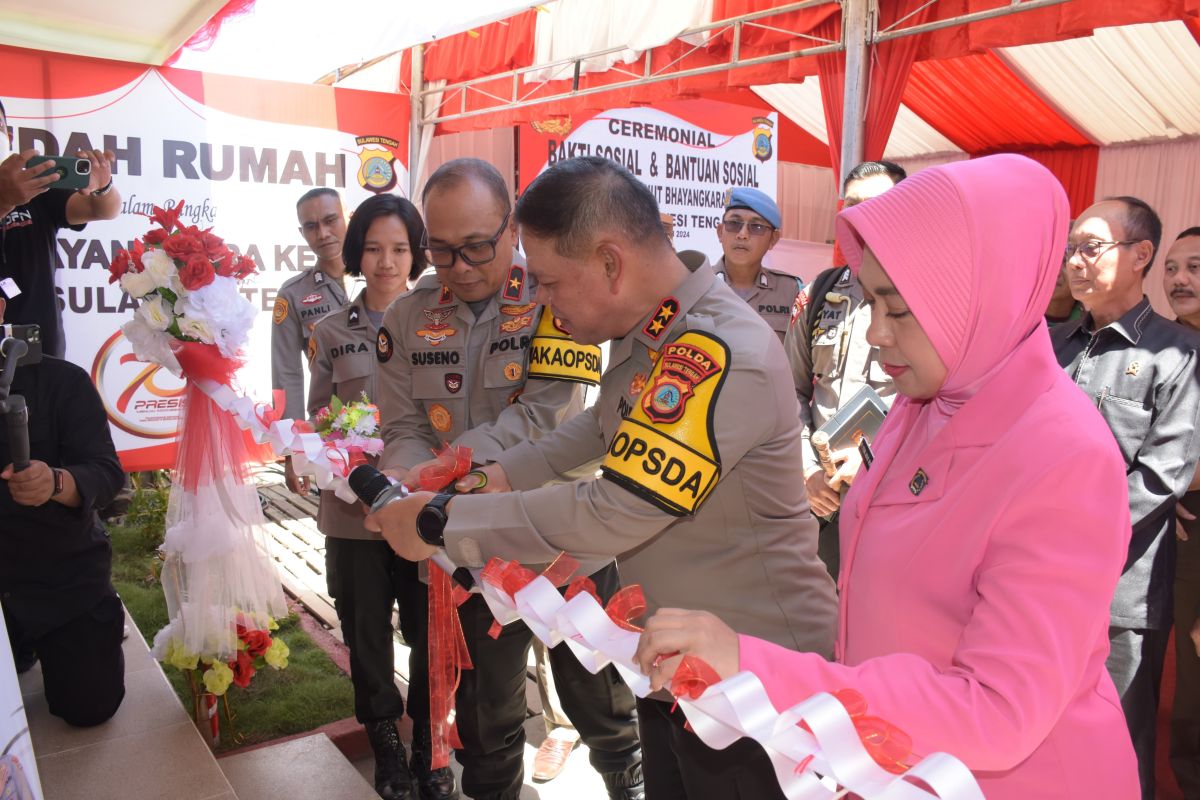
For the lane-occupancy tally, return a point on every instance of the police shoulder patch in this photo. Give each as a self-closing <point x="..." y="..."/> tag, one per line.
<point x="665" y="451"/>
<point x="312" y="349"/>
<point x="555" y="356"/>
<point x="280" y="312"/>
<point x="383" y="346"/>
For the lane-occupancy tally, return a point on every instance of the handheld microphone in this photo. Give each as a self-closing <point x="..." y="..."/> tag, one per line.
<point x="377" y="490"/>
<point x="17" y="418"/>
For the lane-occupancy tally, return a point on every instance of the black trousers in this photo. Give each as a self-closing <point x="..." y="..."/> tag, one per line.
<point x="365" y="579"/>
<point x="1135" y="663"/>
<point x="83" y="667"/>
<point x="491" y="706"/>
<point x="829" y="547"/>
<point x="1185" y="713"/>
<point x="678" y="766"/>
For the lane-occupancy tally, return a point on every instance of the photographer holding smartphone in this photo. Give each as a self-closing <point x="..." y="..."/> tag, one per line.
<point x="31" y="213"/>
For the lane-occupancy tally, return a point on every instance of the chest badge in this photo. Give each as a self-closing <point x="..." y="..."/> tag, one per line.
<point x="918" y="483"/>
<point x="312" y="299"/>
<point x="512" y="371"/>
<point x="383" y="346"/>
<point x="516" y="323"/>
<point x="657" y="325"/>
<point x="453" y="382"/>
<point x="439" y="418"/>
<point x="437" y="330"/>
<point x="638" y="383"/>
<point x="1133" y="368"/>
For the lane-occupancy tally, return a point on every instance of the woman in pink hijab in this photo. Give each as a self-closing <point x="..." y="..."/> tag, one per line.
<point x="981" y="548"/>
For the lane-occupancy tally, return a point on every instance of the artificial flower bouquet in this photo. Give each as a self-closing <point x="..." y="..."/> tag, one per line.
<point x="353" y="425"/>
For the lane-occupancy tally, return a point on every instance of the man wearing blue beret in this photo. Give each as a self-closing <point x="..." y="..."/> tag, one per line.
<point x="748" y="229"/>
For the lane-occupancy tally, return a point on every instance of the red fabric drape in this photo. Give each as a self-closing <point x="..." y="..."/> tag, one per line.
<point x="496" y="47"/>
<point x="890" y="65"/>
<point x="978" y="103"/>
<point x="1075" y="168"/>
<point x="203" y="38"/>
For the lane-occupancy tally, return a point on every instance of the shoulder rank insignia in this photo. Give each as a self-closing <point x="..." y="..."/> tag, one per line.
<point x="318" y="277"/>
<point x="446" y="296"/>
<point x="352" y="317"/>
<point x="665" y="450"/>
<point x="658" y="323"/>
<point x="514" y="284"/>
<point x="555" y="356"/>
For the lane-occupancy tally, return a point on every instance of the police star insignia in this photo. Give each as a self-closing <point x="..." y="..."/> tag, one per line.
<point x="516" y="280"/>
<point x="658" y="323"/>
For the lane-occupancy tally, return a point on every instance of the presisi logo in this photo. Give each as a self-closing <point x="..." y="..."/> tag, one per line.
<point x="141" y="398"/>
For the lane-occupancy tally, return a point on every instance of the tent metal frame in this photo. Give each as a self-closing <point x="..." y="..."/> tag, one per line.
<point x="859" y="33"/>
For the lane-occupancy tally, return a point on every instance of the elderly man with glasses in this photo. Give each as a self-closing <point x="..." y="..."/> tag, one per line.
<point x="468" y="357"/>
<point x="1140" y="370"/>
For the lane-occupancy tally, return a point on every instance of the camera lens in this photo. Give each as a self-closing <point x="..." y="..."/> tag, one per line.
<point x="83" y="166"/>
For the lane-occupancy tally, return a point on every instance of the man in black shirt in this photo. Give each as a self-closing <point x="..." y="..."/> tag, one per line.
<point x="31" y="215"/>
<point x="55" y="557"/>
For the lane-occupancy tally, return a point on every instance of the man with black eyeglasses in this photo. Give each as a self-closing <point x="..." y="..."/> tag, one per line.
<point x="749" y="229"/>
<point x="457" y="364"/>
<point x="1140" y="369"/>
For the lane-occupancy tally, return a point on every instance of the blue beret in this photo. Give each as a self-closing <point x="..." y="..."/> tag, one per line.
<point x="758" y="202"/>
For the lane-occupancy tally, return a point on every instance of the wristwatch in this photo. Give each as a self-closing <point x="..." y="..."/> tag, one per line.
<point x="431" y="520"/>
<point x="103" y="190"/>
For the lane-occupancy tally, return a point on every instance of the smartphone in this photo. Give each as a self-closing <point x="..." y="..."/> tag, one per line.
<point x="73" y="173"/>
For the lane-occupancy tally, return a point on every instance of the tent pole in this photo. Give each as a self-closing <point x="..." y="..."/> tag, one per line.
<point x="857" y="29"/>
<point x="415" y="113"/>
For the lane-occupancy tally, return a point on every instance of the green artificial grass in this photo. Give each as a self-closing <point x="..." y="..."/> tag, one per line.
<point x="311" y="692"/>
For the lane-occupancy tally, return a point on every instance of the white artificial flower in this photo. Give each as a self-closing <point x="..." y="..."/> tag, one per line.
<point x="366" y="425"/>
<point x="156" y="313"/>
<point x="137" y="284"/>
<point x="197" y="329"/>
<point x="150" y="345"/>
<point x="228" y="314"/>
<point x="160" y="267"/>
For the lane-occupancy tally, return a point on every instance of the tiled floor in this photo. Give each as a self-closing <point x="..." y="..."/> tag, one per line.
<point x="150" y="749"/>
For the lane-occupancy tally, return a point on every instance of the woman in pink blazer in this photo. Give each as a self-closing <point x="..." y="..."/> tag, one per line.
<point x="981" y="548"/>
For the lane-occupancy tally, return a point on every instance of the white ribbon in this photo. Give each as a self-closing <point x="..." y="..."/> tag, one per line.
<point x="834" y="758"/>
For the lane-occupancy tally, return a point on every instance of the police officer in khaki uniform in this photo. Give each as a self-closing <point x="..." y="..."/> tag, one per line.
<point x="748" y="231"/>
<point x="304" y="299"/>
<point x="702" y="502"/>
<point x="468" y="357"/>
<point x="365" y="578"/>
<point x="826" y="344"/>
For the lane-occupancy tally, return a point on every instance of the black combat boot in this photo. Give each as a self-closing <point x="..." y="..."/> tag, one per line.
<point x="393" y="781"/>
<point x="625" y="785"/>
<point x="434" y="784"/>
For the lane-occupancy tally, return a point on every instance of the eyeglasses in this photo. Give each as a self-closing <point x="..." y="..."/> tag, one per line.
<point x="474" y="253"/>
<point x="735" y="226"/>
<point x="1093" y="248"/>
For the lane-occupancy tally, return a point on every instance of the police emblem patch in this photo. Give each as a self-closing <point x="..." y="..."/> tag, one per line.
<point x="312" y="350"/>
<point x="383" y="346"/>
<point x="798" y="306"/>
<point x="516" y="280"/>
<point x="512" y="371"/>
<point x="377" y="164"/>
<point x="658" y="323"/>
<point x="439" y="418"/>
<point x="280" y="312"/>
<point x="437" y="330"/>
<point x="517" y="323"/>
<point x="453" y="382"/>
<point x="761" y="142"/>
<point x="683" y="367"/>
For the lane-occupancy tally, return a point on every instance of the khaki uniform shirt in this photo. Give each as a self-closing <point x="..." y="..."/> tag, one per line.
<point x="300" y="303"/>
<point x="773" y="296"/>
<point x="341" y="362"/>
<point x="447" y="376"/>
<point x="833" y="361"/>
<point x="748" y="552"/>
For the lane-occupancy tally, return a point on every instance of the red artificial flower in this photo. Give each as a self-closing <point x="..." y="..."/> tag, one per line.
<point x="182" y="246"/>
<point x="245" y="267"/>
<point x="126" y="261"/>
<point x="214" y="246"/>
<point x="196" y="273"/>
<point x="225" y="266"/>
<point x="243" y="669"/>
<point x="167" y="218"/>
<point x="156" y="236"/>
<point x="257" y="642"/>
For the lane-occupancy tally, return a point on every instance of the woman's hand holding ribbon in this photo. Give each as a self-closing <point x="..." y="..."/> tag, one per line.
<point x="673" y="633"/>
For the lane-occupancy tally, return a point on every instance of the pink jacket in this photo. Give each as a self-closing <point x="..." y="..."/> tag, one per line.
<point x="974" y="611"/>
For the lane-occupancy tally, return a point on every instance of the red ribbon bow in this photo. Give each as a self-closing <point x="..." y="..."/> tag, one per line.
<point x="510" y="577"/>
<point x="626" y="605"/>
<point x="452" y="463"/>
